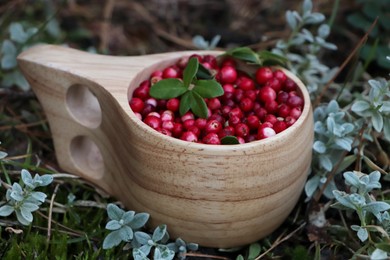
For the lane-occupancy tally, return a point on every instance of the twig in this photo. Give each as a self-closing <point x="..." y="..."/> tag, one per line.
<point x="107" y="14"/>
<point x="22" y="126"/>
<point x="352" y="54"/>
<point x="51" y="213"/>
<point x="279" y="241"/>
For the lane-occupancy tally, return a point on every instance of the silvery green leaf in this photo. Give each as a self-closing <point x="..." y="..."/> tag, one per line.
<point x="344" y="143"/>
<point x="27" y="179"/>
<point x="319" y="127"/>
<point x="291" y="19"/>
<point x="146" y="249"/>
<point x="17" y="192"/>
<point x="323" y="31"/>
<point x="298" y="40"/>
<point x="126" y="233"/>
<point x="26" y="214"/>
<point x="113" y="225"/>
<point x="53" y="28"/>
<point x="139" y="220"/>
<point x="40" y="196"/>
<point x="159" y="233"/>
<point x="362" y="234"/>
<point x="319" y="147"/>
<point x="192" y="246"/>
<point x="357" y="199"/>
<point x="8" y="48"/>
<point x="313" y="18"/>
<point x="332" y="107"/>
<point x="376" y="207"/>
<point x="22" y="219"/>
<point x="377" y="121"/>
<point x="163" y="253"/>
<point x="28" y="206"/>
<point x="128" y="217"/>
<point x="200" y="42"/>
<point x="307" y="35"/>
<point x="214" y="42"/>
<point x="17" y="33"/>
<point x="138" y="254"/>
<point x="378" y="254"/>
<point x="111" y="240"/>
<point x="331" y="124"/>
<point x="142" y="237"/>
<point x="6" y="210"/>
<point x="312" y="185"/>
<point x="3" y="155"/>
<point x="351" y="179"/>
<point x="343" y="199"/>
<point x="20" y="81"/>
<point x="360" y="105"/>
<point x="374" y="177"/>
<point x="328" y="192"/>
<point x="355" y="227"/>
<point x="385" y="108"/>
<point x="114" y="212"/>
<point x="281" y="45"/>
<point x="307" y="6"/>
<point x="326" y="163"/>
<point x="46" y="179"/>
<point x="8" y="61"/>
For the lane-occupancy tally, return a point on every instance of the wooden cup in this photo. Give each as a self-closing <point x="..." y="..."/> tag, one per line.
<point x="215" y="195"/>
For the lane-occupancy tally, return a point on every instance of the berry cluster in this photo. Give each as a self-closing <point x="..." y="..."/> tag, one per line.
<point x="250" y="109"/>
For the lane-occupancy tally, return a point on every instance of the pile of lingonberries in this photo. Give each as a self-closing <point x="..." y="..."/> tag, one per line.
<point x="250" y="109"/>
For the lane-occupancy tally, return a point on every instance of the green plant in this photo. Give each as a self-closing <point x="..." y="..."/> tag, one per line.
<point x="125" y="227"/>
<point x="22" y="199"/>
<point x="191" y="90"/>
<point x="376" y="49"/>
<point x="374" y="232"/>
<point x="303" y="47"/>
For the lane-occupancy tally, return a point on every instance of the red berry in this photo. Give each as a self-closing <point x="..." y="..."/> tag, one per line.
<point x="246" y="83"/>
<point x="168" y="125"/>
<point x="173" y="104"/>
<point x="279" y="74"/>
<point x="238" y="94"/>
<point x="294" y="101"/>
<point x="267" y="94"/>
<point x="234" y="120"/>
<point x="236" y="112"/>
<point x="211" y="138"/>
<point x="260" y="113"/>
<point x="295" y="112"/>
<point x="137" y="105"/>
<point x="228" y="74"/>
<point x="156" y="73"/>
<point x="177" y="129"/>
<point x="241" y="130"/>
<point x="186" y="116"/>
<point x="251" y="94"/>
<point x="282" y="97"/>
<point x="275" y="84"/>
<point x="228" y="62"/>
<point x="265" y="132"/>
<point x="253" y="122"/>
<point x="279" y="126"/>
<point x="153" y="121"/>
<point x="289" y="85"/>
<point x="263" y="74"/>
<point x="213" y="126"/>
<point x="189" y="137"/>
<point x="188" y="123"/>
<point x="271" y="119"/>
<point x="228" y="88"/>
<point x="227" y="131"/>
<point x="200" y="123"/>
<point x="155" y="79"/>
<point x="290" y="121"/>
<point x="246" y="104"/>
<point x="195" y="130"/>
<point x="151" y="101"/>
<point x="142" y="91"/>
<point x="170" y="72"/>
<point x="271" y="106"/>
<point x="214" y="103"/>
<point x="283" y="110"/>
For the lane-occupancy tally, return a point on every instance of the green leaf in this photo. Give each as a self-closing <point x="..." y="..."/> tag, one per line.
<point x="114" y="212"/>
<point x="270" y="58"/>
<point x="111" y="240"/>
<point x="167" y="88"/>
<point x="159" y="233"/>
<point x="113" y="225"/>
<point x="203" y="73"/>
<point x="139" y="220"/>
<point x="254" y="251"/>
<point x="190" y="71"/>
<point x="142" y="237"/>
<point x="208" y="88"/>
<point x="126" y="233"/>
<point x="198" y="105"/>
<point x="385" y="246"/>
<point x="227" y="140"/>
<point x="6" y="210"/>
<point x="185" y="103"/>
<point x="245" y="54"/>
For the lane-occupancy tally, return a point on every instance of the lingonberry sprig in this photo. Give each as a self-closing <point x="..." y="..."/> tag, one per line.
<point x="192" y="91"/>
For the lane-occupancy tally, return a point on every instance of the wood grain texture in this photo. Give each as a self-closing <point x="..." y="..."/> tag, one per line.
<point x="217" y="196"/>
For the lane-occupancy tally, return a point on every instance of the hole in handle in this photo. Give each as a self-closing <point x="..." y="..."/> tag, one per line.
<point x="87" y="156"/>
<point x="84" y="106"/>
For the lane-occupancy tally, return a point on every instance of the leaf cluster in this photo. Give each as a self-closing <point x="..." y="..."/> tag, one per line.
<point x="22" y="199"/>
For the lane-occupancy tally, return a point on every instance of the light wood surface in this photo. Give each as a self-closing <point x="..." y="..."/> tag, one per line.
<point x="217" y="196"/>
